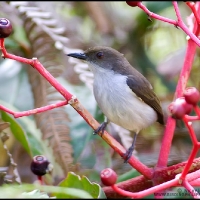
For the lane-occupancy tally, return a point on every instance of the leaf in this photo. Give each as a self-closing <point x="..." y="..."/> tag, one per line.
<point x="35" y="194"/>
<point x="128" y="175"/>
<point x="75" y="181"/>
<point x="8" y="191"/>
<point x="17" y="131"/>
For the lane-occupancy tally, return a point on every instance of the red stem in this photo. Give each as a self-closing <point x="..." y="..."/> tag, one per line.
<point x="197" y="110"/>
<point x="7" y="55"/>
<point x="189" y="162"/>
<point x="195" y="183"/>
<point x="183" y="78"/>
<point x="178" y="23"/>
<point x="166" y="143"/>
<point x="158" y="188"/>
<point x="187" y="66"/>
<point x="191" y="190"/>
<point x="191" y="5"/>
<point x="192" y="118"/>
<point x="194" y="150"/>
<point x="141" y="183"/>
<point x="155" y="16"/>
<point x="181" y="24"/>
<point x="40" y="179"/>
<point x="193" y="176"/>
<point x="34" y="111"/>
<point x="191" y="130"/>
<point x="146" y="192"/>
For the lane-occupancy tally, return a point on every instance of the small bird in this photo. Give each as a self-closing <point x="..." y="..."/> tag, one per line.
<point x="122" y="93"/>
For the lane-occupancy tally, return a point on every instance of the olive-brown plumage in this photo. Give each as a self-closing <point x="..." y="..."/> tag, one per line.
<point x="123" y="94"/>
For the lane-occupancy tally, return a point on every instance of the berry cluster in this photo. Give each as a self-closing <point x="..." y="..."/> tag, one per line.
<point x="184" y="105"/>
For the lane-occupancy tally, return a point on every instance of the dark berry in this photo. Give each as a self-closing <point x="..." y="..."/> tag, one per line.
<point x="40" y="165"/>
<point x="192" y="95"/>
<point x="5" y="28"/>
<point x="133" y="3"/>
<point x="179" y="108"/>
<point x="108" y="177"/>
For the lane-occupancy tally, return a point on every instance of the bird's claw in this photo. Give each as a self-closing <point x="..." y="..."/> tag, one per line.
<point x="128" y="154"/>
<point x="101" y="129"/>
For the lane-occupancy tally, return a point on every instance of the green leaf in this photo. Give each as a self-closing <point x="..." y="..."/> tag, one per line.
<point x="75" y="181"/>
<point x="128" y="175"/>
<point x="17" y="131"/>
<point x="13" y="191"/>
<point x="35" y="194"/>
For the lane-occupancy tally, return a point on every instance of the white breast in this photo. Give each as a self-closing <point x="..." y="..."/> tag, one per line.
<point x="119" y="103"/>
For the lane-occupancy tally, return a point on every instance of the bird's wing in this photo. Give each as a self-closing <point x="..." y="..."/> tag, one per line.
<point x="143" y="89"/>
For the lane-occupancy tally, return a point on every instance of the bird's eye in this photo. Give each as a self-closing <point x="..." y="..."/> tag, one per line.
<point x="99" y="55"/>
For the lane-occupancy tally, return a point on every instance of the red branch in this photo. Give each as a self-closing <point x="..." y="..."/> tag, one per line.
<point x="178" y="23"/>
<point x="194" y="10"/>
<point x="34" y="111"/>
<point x="171" y="123"/>
<point x="183" y="78"/>
<point x="191" y="190"/>
<point x="156" y="189"/>
<point x="141" y="183"/>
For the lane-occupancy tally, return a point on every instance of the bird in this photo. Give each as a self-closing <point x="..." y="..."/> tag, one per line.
<point x="122" y="93"/>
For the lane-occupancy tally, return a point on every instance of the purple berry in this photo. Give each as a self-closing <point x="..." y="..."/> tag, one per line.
<point x="133" y="3"/>
<point x="40" y="165"/>
<point x="5" y="28"/>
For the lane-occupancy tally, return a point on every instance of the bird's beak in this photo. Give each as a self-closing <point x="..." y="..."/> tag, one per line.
<point x="81" y="56"/>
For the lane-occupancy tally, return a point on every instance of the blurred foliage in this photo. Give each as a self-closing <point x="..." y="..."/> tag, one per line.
<point x="153" y="47"/>
<point x="33" y="191"/>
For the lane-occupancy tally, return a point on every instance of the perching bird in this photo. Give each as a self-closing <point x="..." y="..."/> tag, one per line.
<point x="122" y="93"/>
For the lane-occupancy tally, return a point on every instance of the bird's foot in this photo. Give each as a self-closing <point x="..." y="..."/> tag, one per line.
<point x="128" y="154"/>
<point x="101" y="129"/>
